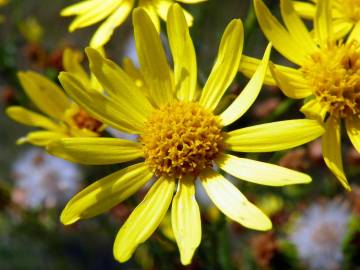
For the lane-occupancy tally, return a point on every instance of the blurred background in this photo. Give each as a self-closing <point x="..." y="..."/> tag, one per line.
<point x="316" y="226"/>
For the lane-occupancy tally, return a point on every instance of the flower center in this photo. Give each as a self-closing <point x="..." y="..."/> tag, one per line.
<point x="334" y="74"/>
<point x="181" y="139"/>
<point x="351" y="9"/>
<point x="84" y="121"/>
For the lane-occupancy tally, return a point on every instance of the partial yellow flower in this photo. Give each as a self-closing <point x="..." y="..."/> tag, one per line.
<point x="180" y="138"/>
<point x="345" y="14"/>
<point x="113" y="13"/>
<point x="63" y="118"/>
<point x="3" y="3"/>
<point x="328" y="73"/>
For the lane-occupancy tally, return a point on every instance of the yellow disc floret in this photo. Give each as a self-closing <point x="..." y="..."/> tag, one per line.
<point x="334" y="74"/>
<point x="181" y="139"/>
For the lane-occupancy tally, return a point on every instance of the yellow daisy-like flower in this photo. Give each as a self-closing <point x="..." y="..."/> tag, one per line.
<point x="180" y="138"/>
<point x="328" y="75"/>
<point x="345" y="14"/>
<point x="114" y="13"/>
<point x="63" y="117"/>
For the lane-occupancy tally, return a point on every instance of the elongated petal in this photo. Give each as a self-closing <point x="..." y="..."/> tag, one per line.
<point x="306" y="10"/>
<point x="248" y="66"/>
<point x="144" y="219"/>
<point x="353" y="131"/>
<point x="162" y="9"/>
<point x="232" y="202"/>
<point x="42" y="138"/>
<point x="106" y="29"/>
<point x="183" y="52"/>
<point x="274" y="136"/>
<point x="106" y="193"/>
<point x="260" y="172"/>
<point x="247" y="96"/>
<point x="291" y="82"/>
<point x="314" y="110"/>
<point x="101" y="107"/>
<point x="95" y="14"/>
<point x="45" y="94"/>
<point x="30" y="118"/>
<point x="341" y="28"/>
<point x="96" y="151"/>
<point x="331" y="147"/>
<point x="322" y="22"/>
<point x="296" y="27"/>
<point x="355" y="33"/>
<point x="149" y="7"/>
<point x="119" y="85"/>
<point x="226" y="65"/>
<point x="278" y="35"/>
<point x="185" y="220"/>
<point x="80" y="8"/>
<point x="154" y="66"/>
<point x="71" y="63"/>
<point x="191" y="1"/>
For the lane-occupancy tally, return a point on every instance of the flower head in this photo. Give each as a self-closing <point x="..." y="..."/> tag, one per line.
<point x="345" y="14"/>
<point x="42" y="180"/>
<point x="114" y="13"/>
<point x="318" y="235"/>
<point x="328" y="73"/>
<point x="180" y="137"/>
<point x="63" y="117"/>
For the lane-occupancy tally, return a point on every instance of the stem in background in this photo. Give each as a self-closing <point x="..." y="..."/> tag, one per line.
<point x="249" y="23"/>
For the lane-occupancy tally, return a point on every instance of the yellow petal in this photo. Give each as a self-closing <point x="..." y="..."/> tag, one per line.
<point x="260" y="172"/>
<point x="106" y="29"/>
<point x="163" y="6"/>
<point x="314" y="110"/>
<point x="80" y="8"/>
<point x="305" y="10"/>
<point x="296" y="27"/>
<point x="291" y="82"/>
<point x="278" y="35"/>
<point x="274" y="136"/>
<point x="94" y="14"/>
<point x="322" y="22"/>
<point x="353" y="131"/>
<point x="96" y="151"/>
<point x="183" y="52"/>
<point x="144" y="220"/>
<point x="185" y="220"/>
<point x="249" y="94"/>
<point x="341" y="28"/>
<point x="71" y="63"/>
<point x="331" y="147"/>
<point x="154" y="66"/>
<point x="100" y="106"/>
<point x="225" y="67"/>
<point x="120" y="87"/>
<point x="30" y="118"/>
<point x="232" y="202"/>
<point x="149" y="7"/>
<point x="248" y="66"/>
<point x="45" y="94"/>
<point x="106" y="193"/>
<point x="355" y="33"/>
<point x="42" y="138"/>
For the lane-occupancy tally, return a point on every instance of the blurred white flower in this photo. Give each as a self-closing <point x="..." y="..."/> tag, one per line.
<point x="319" y="233"/>
<point x="44" y="181"/>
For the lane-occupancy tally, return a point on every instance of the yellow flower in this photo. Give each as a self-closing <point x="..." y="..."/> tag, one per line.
<point x="328" y="75"/>
<point x="63" y="117"/>
<point x="114" y="13"/>
<point x="345" y="14"/>
<point x="180" y="138"/>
